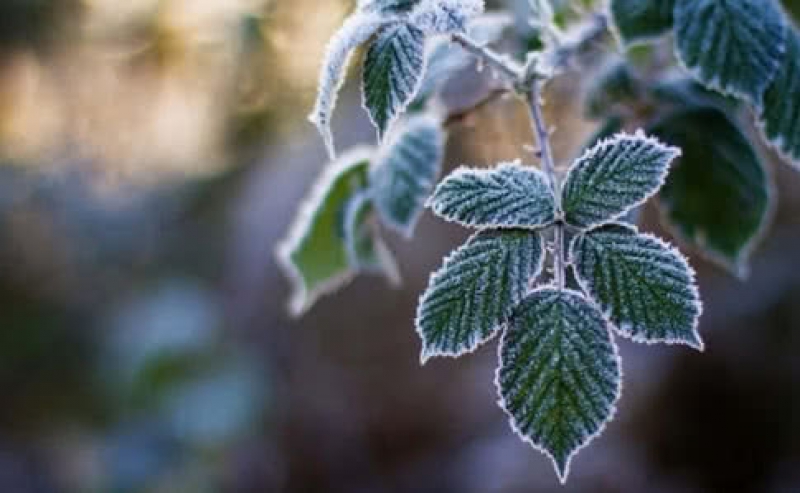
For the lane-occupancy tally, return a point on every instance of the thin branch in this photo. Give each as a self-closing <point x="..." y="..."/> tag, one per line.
<point x="502" y="65"/>
<point x="534" y="98"/>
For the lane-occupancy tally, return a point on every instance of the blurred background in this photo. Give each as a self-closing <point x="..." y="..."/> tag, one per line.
<point x="152" y="153"/>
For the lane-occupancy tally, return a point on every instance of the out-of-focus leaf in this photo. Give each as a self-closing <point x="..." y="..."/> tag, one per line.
<point x="642" y="20"/>
<point x="366" y="251"/>
<point x="617" y="85"/>
<point x="314" y="253"/>
<point x="717" y="195"/>
<point x="732" y="46"/>
<point x="780" y="114"/>
<point x="405" y="171"/>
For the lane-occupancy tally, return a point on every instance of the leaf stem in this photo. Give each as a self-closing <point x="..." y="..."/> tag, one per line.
<point x="534" y="98"/>
<point x="507" y="68"/>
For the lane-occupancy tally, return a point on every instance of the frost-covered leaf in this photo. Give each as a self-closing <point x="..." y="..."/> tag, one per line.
<point x="780" y="115"/>
<point x="542" y="13"/>
<point x="366" y="251"/>
<point x="732" y="46"/>
<point x="447" y="59"/>
<point x="314" y="253"/>
<point x="388" y="6"/>
<point x="717" y="195"/>
<point x="470" y="296"/>
<point x="508" y="196"/>
<point x="559" y="374"/>
<point x="613" y="177"/>
<point x="405" y="171"/>
<point x="642" y="20"/>
<point x="645" y="287"/>
<point x="616" y="86"/>
<point x="393" y="69"/>
<point x="356" y="30"/>
<point x="445" y="16"/>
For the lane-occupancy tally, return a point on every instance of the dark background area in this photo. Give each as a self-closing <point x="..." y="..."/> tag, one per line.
<point x="152" y="153"/>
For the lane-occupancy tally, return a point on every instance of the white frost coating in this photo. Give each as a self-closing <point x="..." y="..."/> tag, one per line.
<point x="445" y="16"/>
<point x="722" y="44"/>
<point x="562" y="474"/>
<point x="393" y="72"/>
<point x="384" y="262"/>
<point x="508" y="196"/>
<point x="625" y="181"/>
<point x="446" y="59"/>
<point x="406" y="168"/>
<point x="680" y="275"/>
<point x="356" y="30"/>
<point x="302" y="298"/>
<point x="480" y="282"/>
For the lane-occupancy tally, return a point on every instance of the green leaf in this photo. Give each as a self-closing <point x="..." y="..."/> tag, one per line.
<point x="405" y="171"/>
<point x="356" y="30"/>
<point x="366" y="251"/>
<point x="780" y="116"/>
<point x="613" y="177"/>
<point x="314" y="253"/>
<point x="470" y="296"/>
<point x="508" y="196"/>
<point x="393" y="69"/>
<point x="684" y="92"/>
<point x="559" y="375"/>
<point x="733" y="46"/>
<point x="645" y="287"/>
<point x="616" y="86"/>
<point x="642" y="20"/>
<point x="717" y="195"/>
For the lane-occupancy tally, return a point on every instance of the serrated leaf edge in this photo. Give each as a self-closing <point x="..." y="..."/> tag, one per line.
<point x="426" y="52"/>
<point x="610" y="142"/>
<point x="624" y="329"/>
<point x="425" y="353"/>
<point x="301" y="298"/>
<point x="714" y="84"/>
<point x="464" y="170"/>
<point x="562" y="476"/>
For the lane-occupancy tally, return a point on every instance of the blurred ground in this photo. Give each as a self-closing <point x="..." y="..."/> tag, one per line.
<point x="154" y="151"/>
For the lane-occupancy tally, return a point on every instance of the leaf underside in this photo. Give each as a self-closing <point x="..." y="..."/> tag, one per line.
<point x="405" y="171"/>
<point x="509" y="196"/>
<point x="393" y="69"/>
<point x="314" y="254"/>
<point x="732" y="46"/>
<point x="366" y="251"/>
<point x="559" y="374"/>
<point x="780" y="115"/>
<point x="645" y="287"/>
<point x="717" y="196"/>
<point x="445" y="16"/>
<point x="356" y="30"/>
<point x="642" y="20"/>
<point x="613" y="177"/>
<point x="388" y="6"/>
<point x="469" y="297"/>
